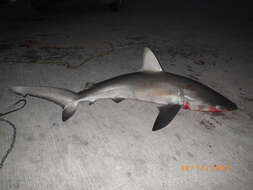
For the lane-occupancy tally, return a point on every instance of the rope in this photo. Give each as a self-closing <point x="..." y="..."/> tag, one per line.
<point x="8" y="151"/>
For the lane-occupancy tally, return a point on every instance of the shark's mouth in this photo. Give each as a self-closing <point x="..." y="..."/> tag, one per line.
<point x="214" y="109"/>
<point x="187" y="106"/>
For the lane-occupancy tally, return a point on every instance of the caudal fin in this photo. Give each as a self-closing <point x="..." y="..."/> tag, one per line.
<point x="65" y="98"/>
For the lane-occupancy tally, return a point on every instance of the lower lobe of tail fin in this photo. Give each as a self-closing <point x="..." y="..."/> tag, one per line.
<point x="68" y="111"/>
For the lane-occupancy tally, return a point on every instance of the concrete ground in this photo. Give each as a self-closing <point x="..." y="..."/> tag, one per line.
<point x="111" y="146"/>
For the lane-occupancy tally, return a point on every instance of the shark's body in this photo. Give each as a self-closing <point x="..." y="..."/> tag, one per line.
<point x="171" y="92"/>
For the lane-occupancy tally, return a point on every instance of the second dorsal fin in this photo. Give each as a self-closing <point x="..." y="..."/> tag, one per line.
<point x="150" y="62"/>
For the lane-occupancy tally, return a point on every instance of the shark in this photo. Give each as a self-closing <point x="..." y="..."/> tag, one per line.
<point x="170" y="92"/>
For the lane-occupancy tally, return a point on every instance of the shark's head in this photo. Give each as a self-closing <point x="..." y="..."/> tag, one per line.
<point x="202" y="98"/>
<point x="194" y="95"/>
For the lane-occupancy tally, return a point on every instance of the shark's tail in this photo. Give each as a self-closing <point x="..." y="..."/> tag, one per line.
<point x="65" y="98"/>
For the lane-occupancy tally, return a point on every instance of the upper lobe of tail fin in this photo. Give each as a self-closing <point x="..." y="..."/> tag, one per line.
<point x="65" y="98"/>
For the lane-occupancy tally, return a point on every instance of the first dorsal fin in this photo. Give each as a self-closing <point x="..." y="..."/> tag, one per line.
<point x="150" y="62"/>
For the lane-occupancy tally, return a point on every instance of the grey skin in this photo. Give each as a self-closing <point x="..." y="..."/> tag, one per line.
<point x="170" y="91"/>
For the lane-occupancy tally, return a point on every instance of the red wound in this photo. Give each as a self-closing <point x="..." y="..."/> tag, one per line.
<point x="186" y="106"/>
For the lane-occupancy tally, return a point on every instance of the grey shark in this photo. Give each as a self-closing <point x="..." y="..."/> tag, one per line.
<point x="169" y="91"/>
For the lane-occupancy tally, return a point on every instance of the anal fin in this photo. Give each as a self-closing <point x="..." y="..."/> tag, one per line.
<point x="165" y="116"/>
<point x="118" y="100"/>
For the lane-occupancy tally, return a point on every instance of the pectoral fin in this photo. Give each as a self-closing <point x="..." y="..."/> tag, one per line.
<point x="166" y="115"/>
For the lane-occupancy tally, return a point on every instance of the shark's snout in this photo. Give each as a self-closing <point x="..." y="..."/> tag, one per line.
<point x="225" y="105"/>
<point x="230" y="106"/>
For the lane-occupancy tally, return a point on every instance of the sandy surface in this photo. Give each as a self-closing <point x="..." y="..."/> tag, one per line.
<point x="109" y="145"/>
